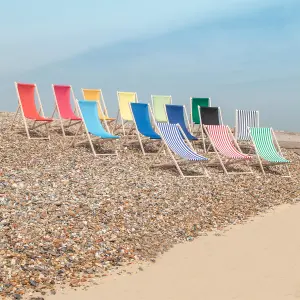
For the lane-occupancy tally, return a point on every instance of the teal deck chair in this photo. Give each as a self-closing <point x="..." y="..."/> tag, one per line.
<point x="93" y="126"/>
<point x="263" y="140"/>
<point x="158" y="104"/>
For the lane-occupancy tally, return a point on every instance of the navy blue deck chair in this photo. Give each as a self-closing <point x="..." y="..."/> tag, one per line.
<point x="175" y="115"/>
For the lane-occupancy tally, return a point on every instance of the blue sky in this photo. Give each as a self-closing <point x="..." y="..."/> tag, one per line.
<point x="242" y="53"/>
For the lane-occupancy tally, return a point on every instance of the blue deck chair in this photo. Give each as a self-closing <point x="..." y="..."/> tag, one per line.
<point x="93" y="126"/>
<point x="175" y="115"/>
<point x="176" y="142"/>
<point x="141" y="116"/>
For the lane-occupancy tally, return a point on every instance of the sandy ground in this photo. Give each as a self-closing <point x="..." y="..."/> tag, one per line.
<point x="289" y="140"/>
<point x="258" y="260"/>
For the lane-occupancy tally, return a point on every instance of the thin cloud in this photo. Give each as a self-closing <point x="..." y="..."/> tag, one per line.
<point x="42" y="32"/>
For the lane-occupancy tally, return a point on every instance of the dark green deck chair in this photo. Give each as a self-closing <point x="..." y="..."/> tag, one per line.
<point x="195" y="102"/>
<point x="263" y="140"/>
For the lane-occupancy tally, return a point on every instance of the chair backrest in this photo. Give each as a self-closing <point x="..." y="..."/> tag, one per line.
<point x="62" y="94"/>
<point x="26" y="95"/>
<point x="175" y="115"/>
<point x="195" y="102"/>
<point x="96" y="95"/>
<point x="141" y="116"/>
<point x="210" y="116"/>
<point x="223" y="141"/>
<point x="245" y="119"/>
<point x="158" y="104"/>
<point x="125" y="98"/>
<point x="173" y="138"/>
<point x="89" y="112"/>
<point x="263" y="141"/>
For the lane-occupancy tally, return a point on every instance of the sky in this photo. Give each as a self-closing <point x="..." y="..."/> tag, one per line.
<point x="244" y="54"/>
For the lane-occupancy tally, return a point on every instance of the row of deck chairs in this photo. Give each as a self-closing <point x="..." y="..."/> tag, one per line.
<point x="166" y="124"/>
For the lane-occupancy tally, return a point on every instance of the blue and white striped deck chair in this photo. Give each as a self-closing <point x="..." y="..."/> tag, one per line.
<point x="93" y="127"/>
<point x="176" y="142"/>
<point x="243" y="120"/>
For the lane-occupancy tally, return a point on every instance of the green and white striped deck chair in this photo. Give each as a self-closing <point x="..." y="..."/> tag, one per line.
<point x="266" y="151"/>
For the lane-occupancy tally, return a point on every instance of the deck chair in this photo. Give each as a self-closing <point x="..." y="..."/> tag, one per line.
<point x="224" y="145"/>
<point x="93" y="127"/>
<point x="142" y="121"/>
<point x="124" y="112"/>
<point x="27" y="107"/>
<point x="266" y="152"/>
<point x="177" y="115"/>
<point x="175" y="141"/>
<point x="158" y="104"/>
<point x="243" y="120"/>
<point x="97" y="95"/>
<point x="63" y="108"/>
<point x="194" y="104"/>
<point x="209" y="116"/>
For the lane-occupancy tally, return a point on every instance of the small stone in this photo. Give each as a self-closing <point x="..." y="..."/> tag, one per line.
<point x="33" y="282"/>
<point x="67" y="217"/>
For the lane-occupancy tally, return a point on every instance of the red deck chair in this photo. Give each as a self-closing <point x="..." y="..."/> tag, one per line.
<point x="26" y="98"/>
<point x="224" y="144"/>
<point x="63" y="107"/>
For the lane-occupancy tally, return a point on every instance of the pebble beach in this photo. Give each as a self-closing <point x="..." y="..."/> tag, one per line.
<point x="67" y="217"/>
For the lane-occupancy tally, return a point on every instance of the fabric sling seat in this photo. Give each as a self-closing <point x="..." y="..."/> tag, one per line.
<point x="176" y="142"/>
<point x="195" y="103"/>
<point x="141" y="115"/>
<point x="175" y="114"/>
<point x="97" y="95"/>
<point x="223" y="143"/>
<point x="209" y="116"/>
<point x="62" y="96"/>
<point x="63" y="99"/>
<point x="26" y="98"/>
<point x="143" y="123"/>
<point x="158" y="104"/>
<point x="263" y="140"/>
<point x="93" y="126"/>
<point x="124" y="111"/>
<point x="245" y="119"/>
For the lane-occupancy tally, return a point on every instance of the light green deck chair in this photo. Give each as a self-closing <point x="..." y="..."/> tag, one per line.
<point x="159" y="110"/>
<point x="263" y="140"/>
<point x="195" y="102"/>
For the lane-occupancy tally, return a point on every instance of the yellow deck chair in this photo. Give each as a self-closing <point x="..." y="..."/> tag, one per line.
<point x="124" y="112"/>
<point x="97" y="95"/>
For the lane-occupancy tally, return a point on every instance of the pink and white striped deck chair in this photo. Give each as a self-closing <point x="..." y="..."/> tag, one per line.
<point x="63" y="107"/>
<point x="224" y="144"/>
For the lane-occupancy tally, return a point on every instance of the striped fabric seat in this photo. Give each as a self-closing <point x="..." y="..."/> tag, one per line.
<point x="173" y="138"/>
<point x="245" y="119"/>
<point x="263" y="141"/>
<point x="175" y="115"/>
<point x="222" y="141"/>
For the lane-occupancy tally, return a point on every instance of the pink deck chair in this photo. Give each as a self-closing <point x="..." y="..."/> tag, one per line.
<point x="62" y="96"/>
<point x="27" y="106"/>
<point x="224" y="144"/>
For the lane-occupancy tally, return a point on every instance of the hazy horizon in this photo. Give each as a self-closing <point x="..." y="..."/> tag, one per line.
<point x="244" y="54"/>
